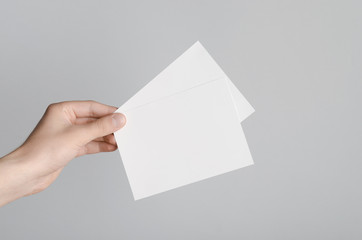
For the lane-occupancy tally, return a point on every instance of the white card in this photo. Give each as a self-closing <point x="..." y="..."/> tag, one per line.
<point x="177" y="140"/>
<point x="192" y="68"/>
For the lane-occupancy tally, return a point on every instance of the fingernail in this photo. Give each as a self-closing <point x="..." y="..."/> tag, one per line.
<point x="119" y="120"/>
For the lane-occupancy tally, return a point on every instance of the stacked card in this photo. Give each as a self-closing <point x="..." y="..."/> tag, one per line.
<point x="183" y="126"/>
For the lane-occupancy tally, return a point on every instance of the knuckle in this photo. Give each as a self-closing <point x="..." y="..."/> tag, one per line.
<point x="52" y="106"/>
<point x="56" y="107"/>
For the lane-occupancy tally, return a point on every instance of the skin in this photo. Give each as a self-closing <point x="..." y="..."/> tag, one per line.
<point x="66" y="130"/>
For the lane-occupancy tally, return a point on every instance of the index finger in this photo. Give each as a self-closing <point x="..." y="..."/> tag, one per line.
<point x="89" y="109"/>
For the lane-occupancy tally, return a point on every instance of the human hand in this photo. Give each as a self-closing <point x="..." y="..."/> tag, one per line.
<point x="67" y="130"/>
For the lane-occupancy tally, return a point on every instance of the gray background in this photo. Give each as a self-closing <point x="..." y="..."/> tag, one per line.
<point x="297" y="62"/>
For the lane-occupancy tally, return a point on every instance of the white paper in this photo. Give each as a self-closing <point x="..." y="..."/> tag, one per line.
<point x="187" y="137"/>
<point x="183" y="126"/>
<point x="192" y="68"/>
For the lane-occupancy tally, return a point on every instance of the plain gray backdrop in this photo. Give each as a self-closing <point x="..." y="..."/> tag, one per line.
<point x="297" y="62"/>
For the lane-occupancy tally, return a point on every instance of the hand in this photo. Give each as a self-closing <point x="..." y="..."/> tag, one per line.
<point x="67" y="130"/>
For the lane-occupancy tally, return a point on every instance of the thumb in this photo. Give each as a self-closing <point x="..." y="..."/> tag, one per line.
<point x="101" y="127"/>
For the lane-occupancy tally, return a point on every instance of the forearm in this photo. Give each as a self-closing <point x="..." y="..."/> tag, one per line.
<point x="15" y="181"/>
